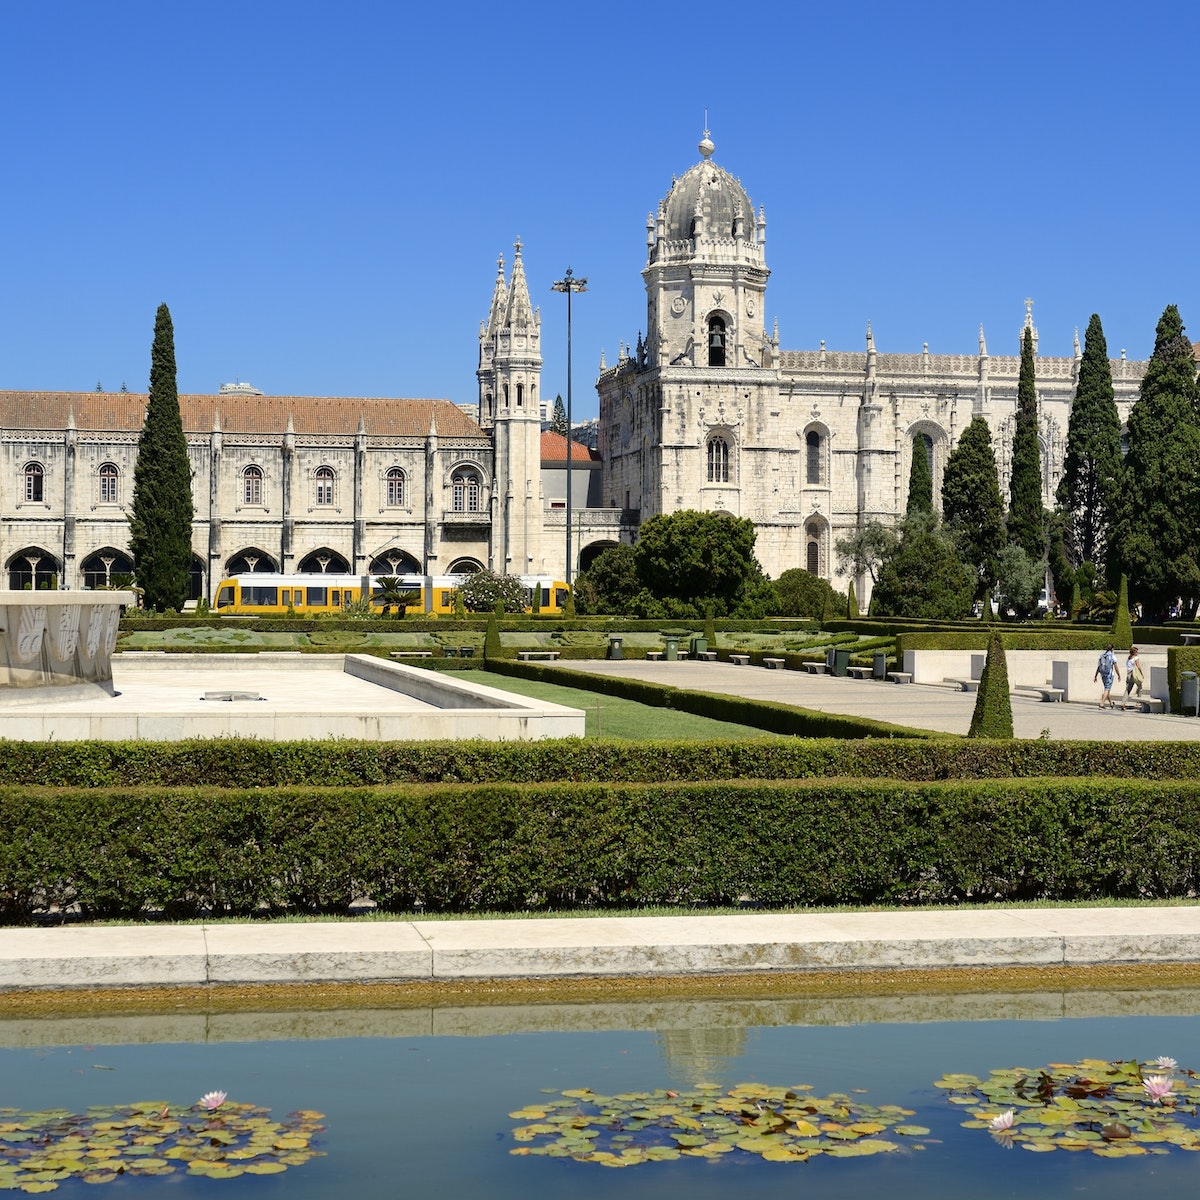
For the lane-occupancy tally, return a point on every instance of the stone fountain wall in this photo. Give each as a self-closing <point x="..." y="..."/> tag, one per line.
<point x="58" y="639"/>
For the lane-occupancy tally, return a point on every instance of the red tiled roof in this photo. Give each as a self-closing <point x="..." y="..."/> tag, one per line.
<point x="121" y="412"/>
<point x="554" y="450"/>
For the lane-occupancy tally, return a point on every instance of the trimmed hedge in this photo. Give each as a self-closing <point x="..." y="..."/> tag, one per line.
<point x="787" y="719"/>
<point x="201" y="851"/>
<point x="253" y="763"/>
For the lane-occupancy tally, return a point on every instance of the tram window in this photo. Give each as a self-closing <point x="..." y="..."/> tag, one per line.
<point x="260" y="596"/>
<point x="318" y="597"/>
<point x="225" y="597"/>
<point x="298" y="597"/>
<point x="287" y="596"/>
<point x="336" y="599"/>
<point x="560" y="598"/>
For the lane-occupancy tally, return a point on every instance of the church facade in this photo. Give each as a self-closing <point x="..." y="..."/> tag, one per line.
<point x="709" y="412"/>
<point x="706" y="411"/>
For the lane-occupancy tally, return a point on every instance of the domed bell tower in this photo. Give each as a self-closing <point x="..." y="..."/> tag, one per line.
<point x="706" y="272"/>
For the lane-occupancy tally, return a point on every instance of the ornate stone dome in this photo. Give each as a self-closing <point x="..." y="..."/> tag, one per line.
<point x="710" y="192"/>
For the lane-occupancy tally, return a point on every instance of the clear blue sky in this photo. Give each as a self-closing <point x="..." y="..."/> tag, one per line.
<point x="319" y="191"/>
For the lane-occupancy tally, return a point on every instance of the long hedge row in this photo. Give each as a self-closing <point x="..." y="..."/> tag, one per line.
<point x="251" y="763"/>
<point x="203" y="851"/>
<point x="787" y="719"/>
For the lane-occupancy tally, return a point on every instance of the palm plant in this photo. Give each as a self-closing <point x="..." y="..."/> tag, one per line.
<point x="390" y="593"/>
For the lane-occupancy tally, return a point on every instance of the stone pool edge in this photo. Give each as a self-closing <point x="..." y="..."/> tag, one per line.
<point x="104" y="957"/>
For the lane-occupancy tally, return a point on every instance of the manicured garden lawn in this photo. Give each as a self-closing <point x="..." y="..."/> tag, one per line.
<point x="612" y="717"/>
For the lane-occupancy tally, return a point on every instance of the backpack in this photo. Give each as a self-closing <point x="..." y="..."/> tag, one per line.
<point x="1106" y="663"/>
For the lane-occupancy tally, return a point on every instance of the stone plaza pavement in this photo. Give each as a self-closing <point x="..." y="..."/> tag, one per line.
<point x="918" y="705"/>
<point x="82" y="956"/>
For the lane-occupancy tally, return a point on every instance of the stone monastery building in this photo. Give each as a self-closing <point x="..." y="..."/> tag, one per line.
<point x="707" y="411"/>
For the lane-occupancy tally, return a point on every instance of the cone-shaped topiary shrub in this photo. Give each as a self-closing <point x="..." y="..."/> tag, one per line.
<point x="852" y="613"/>
<point x="993" y="707"/>
<point x="1122" y="627"/>
<point x="710" y="628"/>
<point x="491" y="639"/>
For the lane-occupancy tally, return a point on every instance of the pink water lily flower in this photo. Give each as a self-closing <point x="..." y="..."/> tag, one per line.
<point x="212" y="1100"/>
<point x="1003" y="1122"/>
<point x="1163" y="1063"/>
<point x="1157" y="1087"/>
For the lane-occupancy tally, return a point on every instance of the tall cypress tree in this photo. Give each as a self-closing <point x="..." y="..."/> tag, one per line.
<point x="160" y="518"/>
<point x="920" y="478"/>
<point x="1088" y="489"/>
<point x="1026" y="519"/>
<point x="971" y="502"/>
<point x="558" y="419"/>
<point x="1158" y="547"/>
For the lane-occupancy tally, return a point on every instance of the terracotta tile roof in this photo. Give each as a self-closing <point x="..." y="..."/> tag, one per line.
<point x="554" y="450"/>
<point x="121" y="412"/>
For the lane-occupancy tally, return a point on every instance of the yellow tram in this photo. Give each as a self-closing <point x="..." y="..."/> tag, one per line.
<point x="262" y="594"/>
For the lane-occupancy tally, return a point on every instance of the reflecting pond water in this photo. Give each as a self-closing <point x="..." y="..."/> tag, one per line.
<point x="416" y="1102"/>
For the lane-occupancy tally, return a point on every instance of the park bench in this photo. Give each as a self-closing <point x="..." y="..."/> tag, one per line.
<point x="860" y="672"/>
<point x="412" y="653"/>
<point x="537" y="655"/>
<point x="964" y="685"/>
<point x="1147" y="704"/>
<point x="655" y="655"/>
<point x="814" y="668"/>
<point x="706" y="656"/>
<point x="740" y="660"/>
<point x="1190" y="639"/>
<point x="774" y="664"/>
<point x="1048" y="693"/>
<point x="900" y="676"/>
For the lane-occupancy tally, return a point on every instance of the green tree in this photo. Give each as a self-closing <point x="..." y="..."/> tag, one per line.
<point x="992" y="717"/>
<point x="971" y="503"/>
<point x="697" y="558"/>
<point x="558" y="421"/>
<point x="920" y="478"/>
<point x="1158" y="547"/>
<point x="486" y="591"/>
<point x="390" y="593"/>
<point x="800" y="593"/>
<point x="1089" y="487"/>
<point x="852" y="613"/>
<point x="1026" y="516"/>
<point x="1021" y="580"/>
<point x="864" y="551"/>
<point x="160" y="518"/>
<point x="611" y="582"/>
<point x="924" y="578"/>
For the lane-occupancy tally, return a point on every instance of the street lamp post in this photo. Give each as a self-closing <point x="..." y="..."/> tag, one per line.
<point x="569" y="284"/>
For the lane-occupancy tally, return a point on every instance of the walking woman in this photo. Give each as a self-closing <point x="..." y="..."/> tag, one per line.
<point x="1133" y="676"/>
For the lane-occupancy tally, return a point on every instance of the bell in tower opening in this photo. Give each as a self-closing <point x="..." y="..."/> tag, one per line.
<point x="716" y="342"/>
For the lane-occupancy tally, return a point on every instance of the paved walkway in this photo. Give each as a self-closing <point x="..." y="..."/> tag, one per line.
<point x="404" y="951"/>
<point x="918" y="705"/>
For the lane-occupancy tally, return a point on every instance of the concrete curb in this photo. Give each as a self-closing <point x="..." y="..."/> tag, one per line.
<point x="409" y="951"/>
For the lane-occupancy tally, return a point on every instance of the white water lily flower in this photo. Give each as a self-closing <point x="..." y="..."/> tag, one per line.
<point x="1003" y="1122"/>
<point x="212" y="1100"/>
<point x="1157" y="1087"/>
<point x="1163" y="1063"/>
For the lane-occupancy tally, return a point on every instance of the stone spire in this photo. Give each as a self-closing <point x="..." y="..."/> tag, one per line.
<point x="499" y="302"/>
<point x="982" y="343"/>
<point x="1030" y="326"/>
<point x="520" y="307"/>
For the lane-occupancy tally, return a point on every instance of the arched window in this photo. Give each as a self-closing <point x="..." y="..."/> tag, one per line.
<point x="812" y="460"/>
<point x="716" y="341"/>
<point x="252" y="481"/>
<point x="465" y="484"/>
<point x="108" y="484"/>
<point x="812" y="549"/>
<point x="520" y="395"/>
<point x="324" y="481"/>
<point x="395" y="487"/>
<point x="35" y="479"/>
<point x="718" y="460"/>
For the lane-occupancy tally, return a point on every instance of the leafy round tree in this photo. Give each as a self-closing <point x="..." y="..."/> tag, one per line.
<point x="697" y="558"/>
<point x="971" y="503"/>
<point x="1088" y="490"/>
<point x="1026" y="516"/>
<point x="800" y="593"/>
<point x="611" y="582"/>
<point x="160" y="517"/>
<point x="1158" y="547"/>
<point x="920" y="478"/>
<point x="924" y="578"/>
<point x="486" y="591"/>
